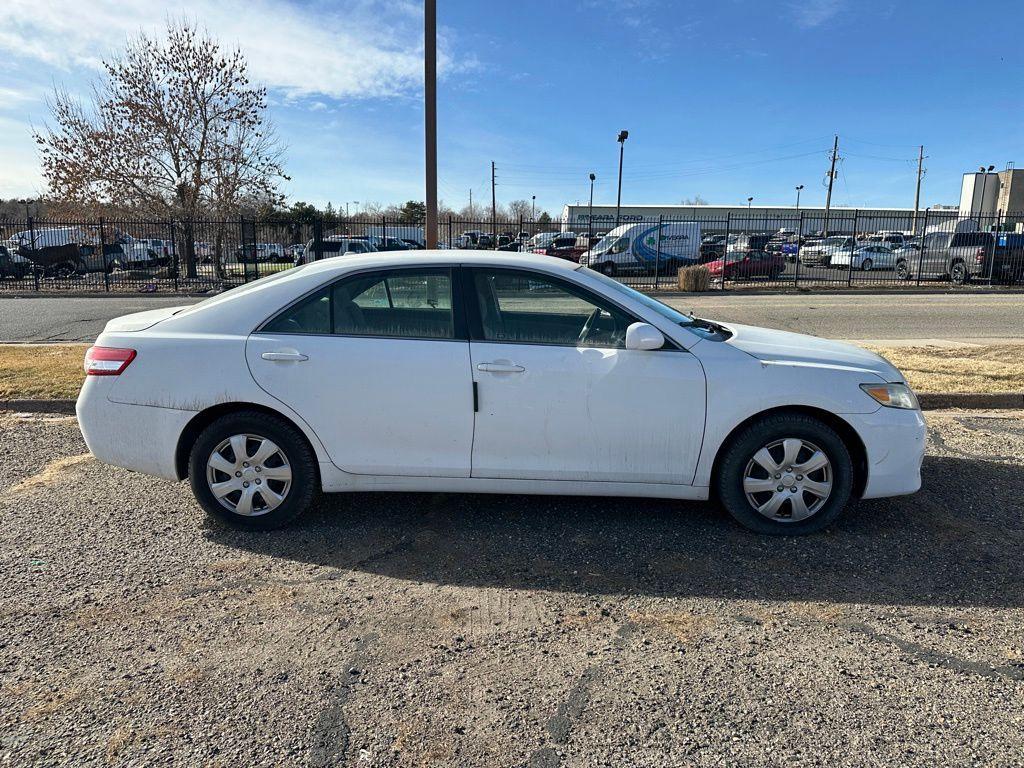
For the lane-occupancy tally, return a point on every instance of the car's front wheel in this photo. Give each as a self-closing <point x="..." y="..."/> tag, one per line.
<point x="786" y="474"/>
<point x="252" y="470"/>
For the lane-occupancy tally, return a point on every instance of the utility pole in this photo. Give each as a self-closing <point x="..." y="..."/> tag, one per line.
<point x="471" y="202"/>
<point x="917" y="194"/>
<point x="798" y="196"/>
<point x="494" y="208"/>
<point x="831" y="179"/>
<point x="430" y="115"/>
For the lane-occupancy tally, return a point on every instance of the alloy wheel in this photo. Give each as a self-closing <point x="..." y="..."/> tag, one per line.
<point x="788" y="480"/>
<point x="249" y="474"/>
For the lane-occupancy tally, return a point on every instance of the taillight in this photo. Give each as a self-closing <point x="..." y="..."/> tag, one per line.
<point x="979" y="255"/>
<point x="107" y="361"/>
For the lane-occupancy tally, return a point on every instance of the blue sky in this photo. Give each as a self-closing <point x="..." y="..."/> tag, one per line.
<point x="722" y="100"/>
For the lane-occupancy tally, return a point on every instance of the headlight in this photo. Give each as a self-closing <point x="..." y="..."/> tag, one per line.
<point x="892" y="395"/>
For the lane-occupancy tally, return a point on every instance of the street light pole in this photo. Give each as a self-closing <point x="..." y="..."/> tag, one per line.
<point x="623" y="135"/>
<point x="798" y="196"/>
<point x="430" y="115"/>
<point x="590" y="214"/>
<point x="984" y="180"/>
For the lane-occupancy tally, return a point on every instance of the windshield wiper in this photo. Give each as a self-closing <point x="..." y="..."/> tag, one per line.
<point x="710" y="325"/>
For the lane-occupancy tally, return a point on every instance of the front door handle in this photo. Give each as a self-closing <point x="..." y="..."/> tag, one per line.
<point x="285" y="357"/>
<point x="500" y="368"/>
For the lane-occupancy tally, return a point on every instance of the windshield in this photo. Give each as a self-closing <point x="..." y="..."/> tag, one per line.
<point x="604" y="243"/>
<point x="834" y="241"/>
<point x="672" y="315"/>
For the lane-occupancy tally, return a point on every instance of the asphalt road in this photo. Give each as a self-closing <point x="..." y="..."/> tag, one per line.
<point x="840" y="316"/>
<point x="501" y="631"/>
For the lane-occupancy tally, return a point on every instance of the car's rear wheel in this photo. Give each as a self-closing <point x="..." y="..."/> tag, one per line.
<point x="787" y="474"/>
<point x="252" y="470"/>
<point x="866" y="265"/>
<point x="902" y="270"/>
<point x="608" y="268"/>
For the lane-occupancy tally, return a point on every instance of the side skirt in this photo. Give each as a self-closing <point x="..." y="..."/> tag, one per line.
<point x="335" y="481"/>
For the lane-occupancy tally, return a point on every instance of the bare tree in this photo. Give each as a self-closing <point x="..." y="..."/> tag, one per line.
<point x="173" y="129"/>
<point x="519" y="209"/>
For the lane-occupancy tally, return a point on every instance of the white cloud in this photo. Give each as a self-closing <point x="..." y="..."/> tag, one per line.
<point x="814" y="13"/>
<point x="356" y="49"/>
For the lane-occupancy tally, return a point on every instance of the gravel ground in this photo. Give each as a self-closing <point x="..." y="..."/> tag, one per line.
<point x="435" y="629"/>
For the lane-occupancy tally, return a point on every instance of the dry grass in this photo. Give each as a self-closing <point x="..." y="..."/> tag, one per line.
<point x="51" y="474"/>
<point x="988" y="368"/>
<point x="41" y="371"/>
<point x="54" y="371"/>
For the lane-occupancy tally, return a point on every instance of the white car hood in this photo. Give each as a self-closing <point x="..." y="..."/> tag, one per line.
<point x="782" y="347"/>
<point x="140" y="321"/>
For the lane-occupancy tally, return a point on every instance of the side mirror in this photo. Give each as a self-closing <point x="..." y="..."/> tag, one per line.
<point x="644" y="336"/>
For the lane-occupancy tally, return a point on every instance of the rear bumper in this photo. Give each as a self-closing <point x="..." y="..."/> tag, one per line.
<point x="141" y="438"/>
<point x="895" y="441"/>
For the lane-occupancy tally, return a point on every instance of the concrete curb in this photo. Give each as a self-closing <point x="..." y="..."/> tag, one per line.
<point x="38" y="406"/>
<point x="930" y="401"/>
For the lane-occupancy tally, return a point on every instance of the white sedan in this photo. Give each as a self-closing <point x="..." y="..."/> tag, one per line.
<point x="866" y="257"/>
<point x="496" y="373"/>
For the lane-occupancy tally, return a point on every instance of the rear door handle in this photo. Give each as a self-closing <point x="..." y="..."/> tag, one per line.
<point x="500" y="368"/>
<point x="285" y="357"/>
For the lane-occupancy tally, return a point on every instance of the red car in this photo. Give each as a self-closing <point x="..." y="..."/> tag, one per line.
<point x="748" y="264"/>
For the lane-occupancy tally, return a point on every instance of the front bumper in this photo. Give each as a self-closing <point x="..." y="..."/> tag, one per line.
<point x="895" y="441"/>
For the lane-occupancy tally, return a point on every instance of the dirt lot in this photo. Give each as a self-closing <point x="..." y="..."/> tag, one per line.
<point x="440" y="630"/>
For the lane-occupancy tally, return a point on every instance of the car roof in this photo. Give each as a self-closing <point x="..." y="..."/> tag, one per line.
<point x="386" y="259"/>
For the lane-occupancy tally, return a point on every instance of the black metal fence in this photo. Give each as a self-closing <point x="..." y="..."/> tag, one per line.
<point x="806" y="249"/>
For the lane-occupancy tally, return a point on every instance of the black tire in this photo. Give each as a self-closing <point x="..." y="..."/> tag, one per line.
<point x="958" y="273"/>
<point x="902" y="270"/>
<point x="293" y="447"/>
<point x="866" y="265"/>
<point x="728" y="481"/>
<point x="608" y="268"/>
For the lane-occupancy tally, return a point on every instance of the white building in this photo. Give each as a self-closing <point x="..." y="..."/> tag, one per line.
<point x="738" y="218"/>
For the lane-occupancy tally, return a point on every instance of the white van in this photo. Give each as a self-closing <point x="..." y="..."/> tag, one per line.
<point x="644" y="247"/>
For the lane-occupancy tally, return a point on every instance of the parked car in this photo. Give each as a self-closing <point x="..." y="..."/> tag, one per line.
<point x="351" y="375"/>
<point x="402" y="233"/>
<point x="540" y="240"/>
<point x="333" y="246"/>
<point x="820" y="254"/>
<point x="959" y="257"/>
<point x="270" y="253"/>
<point x="563" y="247"/>
<point x="748" y="243"/>
<point x="13" y="265"/>
<point x="866" y="257"/>
<point x="742" y="264"/>
<point x="712" y="247"/>
<point x="143" y="253"/>
<point x="893" y="239"/>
